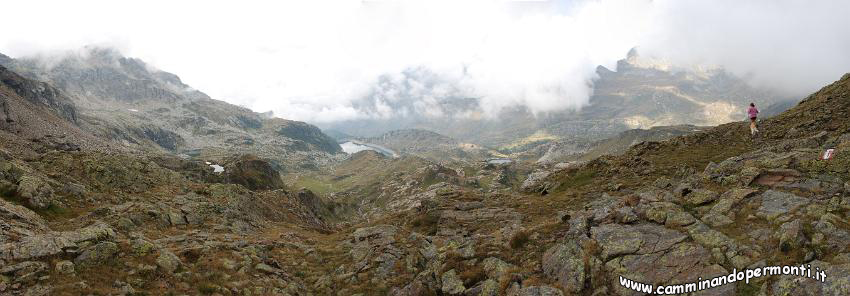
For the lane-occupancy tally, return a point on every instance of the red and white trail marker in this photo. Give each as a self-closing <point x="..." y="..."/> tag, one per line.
<point x="828" y="154"/>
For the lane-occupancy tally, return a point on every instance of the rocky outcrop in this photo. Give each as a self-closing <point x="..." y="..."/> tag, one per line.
<point x="776" y="205"/>
<point x="311" y="136"/>
<point x="6" y="118"/>
<point x="96" y="254"/>
<point x="252" y="172"/>
<point x="375" y="247"/>
<point x="54" y="243"/>
<point x="566" y="263"/>
<point x="452" y="285"/>
<point x="17" y="221"/>
<point x="35" y="192"/>
<point x="168" y="262"/>
<point x="836" y="283"/>
<point x="634" y="253"/>
<point x="163" y="138"/>
<point x="536" y="182"/>
<point x="37" y="93"/>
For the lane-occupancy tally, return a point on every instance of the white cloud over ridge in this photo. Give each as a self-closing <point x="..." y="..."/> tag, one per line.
<point x="313" y="60"/>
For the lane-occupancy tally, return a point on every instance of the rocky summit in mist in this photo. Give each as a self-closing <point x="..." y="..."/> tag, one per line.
<point x="639" y="93"/>
<point x="117" y="178"/>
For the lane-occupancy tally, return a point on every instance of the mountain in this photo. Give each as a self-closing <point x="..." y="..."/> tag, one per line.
<point x="39" y="93"/>
<point x="639" y="93"/>
<point x="570" y="150"/>
<point x="338" y="135"/>
<point x="71" y="199"/>
<point x="102" y="75"/>
<point x="130" y="102"/>
<point x="36" y="117"/>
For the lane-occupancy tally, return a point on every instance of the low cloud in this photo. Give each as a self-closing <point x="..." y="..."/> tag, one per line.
<point x="794" y="47"/>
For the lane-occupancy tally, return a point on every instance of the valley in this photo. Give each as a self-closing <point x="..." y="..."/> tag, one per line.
<point x="118" y="179"/>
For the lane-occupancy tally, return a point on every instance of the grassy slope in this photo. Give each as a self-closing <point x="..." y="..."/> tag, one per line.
<point x="826" y="110"/>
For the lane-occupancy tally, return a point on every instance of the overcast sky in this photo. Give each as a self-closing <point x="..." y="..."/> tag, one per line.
<point x="308" y="60"/>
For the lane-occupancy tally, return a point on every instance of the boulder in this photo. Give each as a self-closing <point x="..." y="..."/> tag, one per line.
<point x="679" y="218"/>
<point x="837" y="281"/>
<point x="142" y="247"/>
<point x="617" y="240"/>
<point x="535" y="183"/>
<point x="35" y="192"/>
<point x="658" y="211"/>
<point x="175" y="218"/>
<point x="495" y="268"/>
<point x="708" y="237"/>
<point x="65" y="267"/>
<point x="701" y="196"/>
<point x="168" y="262"/>
<point x="717" y="220"/>
<point x="487" y="287"/>
<point x="20" y="220"/>
<point x="198" y="212"/>
<point x="834" y="239"/>
<point x="97" y="254"/>
<point x="425" y="283"/>
<point x="681" y="263"/>
<point x="55" y="243"/>
<point x="564" y="263"/>
<point x="626" y="215"/>
<point x="24" y="272"/>
<point x="452" y="284"/>
<point x="776" y="203"/>
<point x="375" y="246"/>
<point x="791" y="235"/>
<point x="721" y="213"/>
<point x="74" y="190"/>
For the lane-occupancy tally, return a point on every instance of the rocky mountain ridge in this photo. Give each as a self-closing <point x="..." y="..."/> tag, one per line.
<point x="36" y="117"/>
<point x="563" y="151"/>
<point x="129" y="102"/>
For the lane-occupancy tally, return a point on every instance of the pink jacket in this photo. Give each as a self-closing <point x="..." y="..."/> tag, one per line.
<point x="752" y="112"/>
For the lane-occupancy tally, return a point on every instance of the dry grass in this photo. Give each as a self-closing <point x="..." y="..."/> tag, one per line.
<point x="507" y="278"/>
<point x="426" y="223"/>
<point x="472" y="275"/>
<point x="591" y="247"/>
<point x="632" y="200"/>
<point x="519" y="239"/>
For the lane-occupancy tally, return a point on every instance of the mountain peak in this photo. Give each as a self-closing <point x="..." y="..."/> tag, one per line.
<point x="105" y="74"/>
<point x="4" y="59"/>
<point x="635" y="60"/>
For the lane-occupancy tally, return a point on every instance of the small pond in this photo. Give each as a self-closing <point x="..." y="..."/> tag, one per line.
<point x="352" y="147"/>
<point x="499" y="161"/>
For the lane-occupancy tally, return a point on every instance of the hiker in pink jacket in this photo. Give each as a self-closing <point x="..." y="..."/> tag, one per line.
<point x="752" y="112"/>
